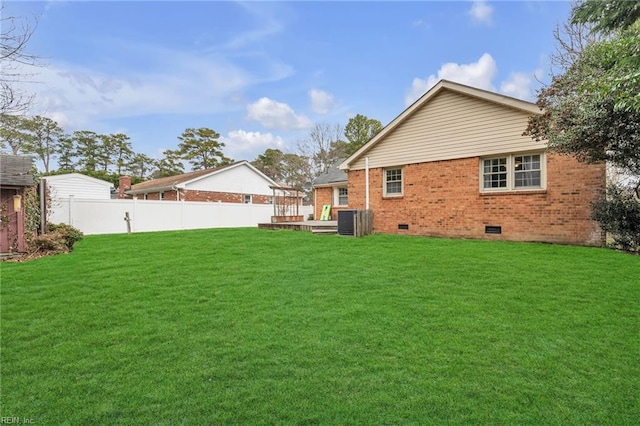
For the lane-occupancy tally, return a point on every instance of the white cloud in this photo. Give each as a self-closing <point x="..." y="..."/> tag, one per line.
<point x="276" y="115"/>
<point x="321" y="102"/>
<point x="481" y="13"/>
<point x="520" y="85"/>
<point x="179" y="83"/>
<point x="243" y="145"/>
<point x="477" y="74"/>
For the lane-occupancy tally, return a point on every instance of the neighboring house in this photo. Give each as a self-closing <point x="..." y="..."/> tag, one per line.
<point x="456" y="164"/>
<point x="331" y="188"/>
<point x="77" y="185"/>
<point x="239" y="182"/>
<point x="15" y="178"/>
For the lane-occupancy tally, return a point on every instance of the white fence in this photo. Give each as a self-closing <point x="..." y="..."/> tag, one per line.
<point x="108" y="216"/>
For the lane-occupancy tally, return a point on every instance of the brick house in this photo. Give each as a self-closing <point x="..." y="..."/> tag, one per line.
<point x="455" y="164"/>
<point x="239" y="182"/>
<point x="331" y="188"/>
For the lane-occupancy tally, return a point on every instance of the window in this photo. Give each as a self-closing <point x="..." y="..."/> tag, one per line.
<point x="161" y="196"/>
<point x="342" y="196"/>
<point x="393" y="182"/>
<point x="512" y="172"/>
<point x="271" y="200"/>
<point x="247" y="198"/>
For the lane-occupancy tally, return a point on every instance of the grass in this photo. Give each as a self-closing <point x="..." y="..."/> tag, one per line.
<point x="247" y="326"/>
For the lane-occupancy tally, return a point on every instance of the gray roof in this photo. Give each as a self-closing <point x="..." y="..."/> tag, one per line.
<point x="15" y="170"/>
<point x="331" y="176"/>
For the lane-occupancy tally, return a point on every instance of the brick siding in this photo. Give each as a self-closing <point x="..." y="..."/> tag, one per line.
<point x="208" y="196"/>
<point x="325" y="196"/>
<point x="442" y="198"/>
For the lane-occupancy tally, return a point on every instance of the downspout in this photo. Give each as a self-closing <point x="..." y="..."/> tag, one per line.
<point x="366" y="182"/>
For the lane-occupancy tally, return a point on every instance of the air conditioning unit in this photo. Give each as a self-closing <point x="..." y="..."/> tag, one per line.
<point x="346" y="222"/>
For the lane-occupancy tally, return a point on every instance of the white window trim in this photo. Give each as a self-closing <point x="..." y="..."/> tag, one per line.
<point x="336" y="196"/>
<point x="244" y="199"/>
<point x="511" y="173"/>
<point x="161" y="195"/>
<point x="384" y="182"/>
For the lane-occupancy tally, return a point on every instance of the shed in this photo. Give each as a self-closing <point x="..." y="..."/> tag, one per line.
<point x="78" y="186"/>
<point x="15" y="177"/>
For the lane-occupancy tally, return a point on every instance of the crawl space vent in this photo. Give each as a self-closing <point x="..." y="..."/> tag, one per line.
<point x="493" y="229"/>
<point x="403" y="226"/>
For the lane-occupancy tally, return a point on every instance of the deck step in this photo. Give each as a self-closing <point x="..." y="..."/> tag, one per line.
<point x="324" y="230"/>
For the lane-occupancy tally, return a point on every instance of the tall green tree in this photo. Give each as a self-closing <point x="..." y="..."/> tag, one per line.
<point x="45" y="138"/>
<point x="202" y="148"/>
<point x="140" y="166"/>
<point x="592" y="111"/>
<point x="169" y="165"/>
<point x="619" y="52"/>
<point x="89" y="150"/>
<point x="13" y="134"/>
<point x="296" y="170"/>
<point x="116" y="150"/>
<point x="66" y="154"/>
<point x="270" y="163"/>
<point x="359" y="130"/>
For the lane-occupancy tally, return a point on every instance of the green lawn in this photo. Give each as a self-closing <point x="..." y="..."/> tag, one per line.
<point x="249" y="326"/>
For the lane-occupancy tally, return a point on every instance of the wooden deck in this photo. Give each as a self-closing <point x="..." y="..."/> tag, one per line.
<point x="315" y="226"/>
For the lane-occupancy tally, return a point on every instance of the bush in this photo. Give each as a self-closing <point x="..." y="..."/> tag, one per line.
<point x="619" y="214"/>
<point x="59" y="238"/>
<point x="48" y="244"/>
<point x="66" y="233"/>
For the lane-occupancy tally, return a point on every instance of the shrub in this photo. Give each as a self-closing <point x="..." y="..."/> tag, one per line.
<point x="619" y="214"/>
<point x="67" y="233"/>
<point x="59" y="238"/>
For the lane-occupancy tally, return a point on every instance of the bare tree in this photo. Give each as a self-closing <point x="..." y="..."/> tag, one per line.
<point x="15" y="33"/>
<point x="320" y="146"/>
<point x="571" y="40"/>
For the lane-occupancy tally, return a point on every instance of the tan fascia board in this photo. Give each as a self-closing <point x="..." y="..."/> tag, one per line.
<point x="441" y="85"/>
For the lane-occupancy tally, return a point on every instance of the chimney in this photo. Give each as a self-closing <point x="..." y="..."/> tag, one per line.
<point x="124" y="184"/>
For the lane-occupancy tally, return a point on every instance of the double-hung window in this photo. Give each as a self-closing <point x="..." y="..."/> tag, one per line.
<point x="393" y="182"/>
<point x="512" y="172"/>
<point x="342" y="196"/>
<point x="247" y="198"/>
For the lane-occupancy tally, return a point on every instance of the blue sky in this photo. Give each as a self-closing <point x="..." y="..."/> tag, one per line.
<point x="262" y="73"/>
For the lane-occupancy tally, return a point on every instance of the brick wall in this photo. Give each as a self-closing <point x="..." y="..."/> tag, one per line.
<point x="325" y="196"/>
<point x="442" y="198"/>
<point x="225" y="197"/>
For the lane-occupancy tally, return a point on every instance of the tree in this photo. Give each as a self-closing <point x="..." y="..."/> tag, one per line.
<point x="359" y="130"/>
<point x="319" y="147"/>
<point x="270" y="163"/>
<point x="170" y="165"/>
<point x="202" y="148"/>
<point x="66" y="154"/>
<point x="89" y="150"/>
<point x="296" y="171"/>
<point x="607" y="16"/>
<point x="620" y="51"/>
<point x="45" y="138"/>
<point x="14" y="36"/>
<point x="116" y="150"/>
<point x="140" y="166"/>
<point x="592" y="110"/>
<point x="13" y="133"/>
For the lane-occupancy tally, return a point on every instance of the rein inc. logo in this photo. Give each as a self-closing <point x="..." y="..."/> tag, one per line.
<point x="16" y="421"/>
